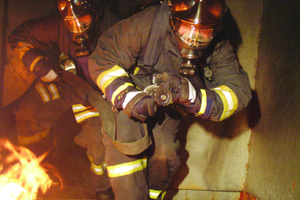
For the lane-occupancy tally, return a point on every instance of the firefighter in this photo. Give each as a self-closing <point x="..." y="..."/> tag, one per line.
<point x="62" y="40"/>
<point x="178" y="52"/>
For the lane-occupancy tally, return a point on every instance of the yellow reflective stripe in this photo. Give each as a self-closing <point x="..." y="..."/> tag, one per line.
<point x="85" y="115"/>
<point x="22" y="140"/>
<point x="127" y="168"/>
<point x="229" y="100"/>
<point x="136" y="70"/>
<point x="203" y="102"/>
<point x="106" y="77"/>
<point x="22" y="48"/>
<point x="117" y="91"/>
<point x="43" y="92"/>
<point x="163" y="195"/>
<point x="80" y="107"/>
<point x="97" y="169"/>
<point x="32" y="65"/>
<point x="53" y="90"/>
<point x="153" y="194"/>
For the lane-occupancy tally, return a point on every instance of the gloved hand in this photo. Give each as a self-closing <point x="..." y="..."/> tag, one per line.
<point x="139" y="105"/>
<point x="182" y="90"/>
<point x="51" y="76"/>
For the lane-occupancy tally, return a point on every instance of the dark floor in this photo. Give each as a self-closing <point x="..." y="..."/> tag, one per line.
<point x="68" y="158"/>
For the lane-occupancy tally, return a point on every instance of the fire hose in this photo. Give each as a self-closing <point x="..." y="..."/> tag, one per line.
<point x="107" y="116"/>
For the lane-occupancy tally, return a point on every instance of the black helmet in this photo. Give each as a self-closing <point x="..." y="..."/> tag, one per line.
<point x="78" y="15"/>
<point x="196" y="22"/>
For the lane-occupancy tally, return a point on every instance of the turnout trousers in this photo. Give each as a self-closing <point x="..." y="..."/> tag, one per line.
<point x="40" y="109"/>
<point x="147" y="174"/>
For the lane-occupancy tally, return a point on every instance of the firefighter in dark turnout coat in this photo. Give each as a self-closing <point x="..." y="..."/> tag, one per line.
<point x="174" y="47"/>
<point x="61" y="41"/>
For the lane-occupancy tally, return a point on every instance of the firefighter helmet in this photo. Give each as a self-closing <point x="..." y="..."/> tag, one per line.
<point x="78" y="15"/>
<point x="196" y="22"/>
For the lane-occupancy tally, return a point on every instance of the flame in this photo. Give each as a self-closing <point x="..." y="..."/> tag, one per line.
<point x="21" y="175"/>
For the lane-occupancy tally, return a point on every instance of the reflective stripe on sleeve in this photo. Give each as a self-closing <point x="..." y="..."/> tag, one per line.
<point x="32" y="65"/>
<point x="79" y="107"/>
<point x="23" y="140"/>
<point x="127" y="168"/>
<point x="229" y="100"/>
<point x="22" y="48"/>
<point x="42" y="91"/>
<point x="203" y="102"/>
<point x="120" y="89"/>
<point x="109" y="76"/>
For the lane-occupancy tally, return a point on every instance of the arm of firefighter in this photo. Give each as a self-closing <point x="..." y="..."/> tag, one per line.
<point x="31" y="40"/>
<point x="116" y="51"/>
<point x="229" y="92"/>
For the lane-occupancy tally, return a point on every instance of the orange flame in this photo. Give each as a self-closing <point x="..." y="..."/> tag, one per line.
<point x="21" y="175"/>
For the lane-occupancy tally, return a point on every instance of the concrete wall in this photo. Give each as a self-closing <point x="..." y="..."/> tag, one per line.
<point x="275" y="140"/>
<point x="215" y="155"/>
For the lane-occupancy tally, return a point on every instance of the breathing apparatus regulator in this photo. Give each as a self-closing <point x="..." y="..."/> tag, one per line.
<point x="195" y="23"/>
<point x="79" y="17"/>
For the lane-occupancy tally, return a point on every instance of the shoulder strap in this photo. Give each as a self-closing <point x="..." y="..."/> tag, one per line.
<point x="151" y="50"/>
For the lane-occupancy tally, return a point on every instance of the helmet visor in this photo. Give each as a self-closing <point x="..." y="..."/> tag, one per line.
<point x="192" y="35"/>
<point x="79" y="25"/>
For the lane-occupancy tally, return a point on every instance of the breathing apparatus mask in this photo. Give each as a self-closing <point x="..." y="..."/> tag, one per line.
<point x="195" y="23"/>
<point x="79" y="17"/>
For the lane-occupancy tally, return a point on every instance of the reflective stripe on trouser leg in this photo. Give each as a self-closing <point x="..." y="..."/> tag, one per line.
<point x="154" y="194"/>
<point x="97" y="169"/>
<point x="127" y="168"/>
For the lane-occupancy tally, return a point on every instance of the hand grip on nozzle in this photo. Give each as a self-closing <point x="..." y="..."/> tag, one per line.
<point x="161" y="96"/>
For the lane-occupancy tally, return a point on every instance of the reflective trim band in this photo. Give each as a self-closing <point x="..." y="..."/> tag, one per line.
<point x="22" y="140"/>
<point x="229" y="100"/>
<point x="43" y="92"/>
<point x="163" y="195"/>
<point x="203" y="102"/>
<point x="192" y="92"/>
<point x="22" y="48"/>
<point x="85" y="115"/>
<point x="105" y="78"/>
<point x="128" y="97"/>
<point x="117" y="91"/>
<point x="32" y="65"/>
<point x="97" y="169"/>
<point x="53" y="90"/>
<point x="127" y="168"/>
<point x="79" y="107"/>
<point x="136" y="70"/>
<point x="153" y="194"/>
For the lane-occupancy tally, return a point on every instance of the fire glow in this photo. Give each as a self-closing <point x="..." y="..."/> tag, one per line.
<point x="21" y="175"/>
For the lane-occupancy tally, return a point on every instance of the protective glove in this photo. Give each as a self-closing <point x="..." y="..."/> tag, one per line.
<point x="139" y="105"/>
<point x="182" y="91"/>
<point x="51" y="76"/>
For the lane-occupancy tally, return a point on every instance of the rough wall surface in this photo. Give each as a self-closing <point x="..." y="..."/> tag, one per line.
<point x="215" y="155"/>
<point x="275" y="141"/>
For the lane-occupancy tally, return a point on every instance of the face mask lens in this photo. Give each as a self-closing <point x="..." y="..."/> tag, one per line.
<point x="79" y="25"/>
<point x="195" y="37"/>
